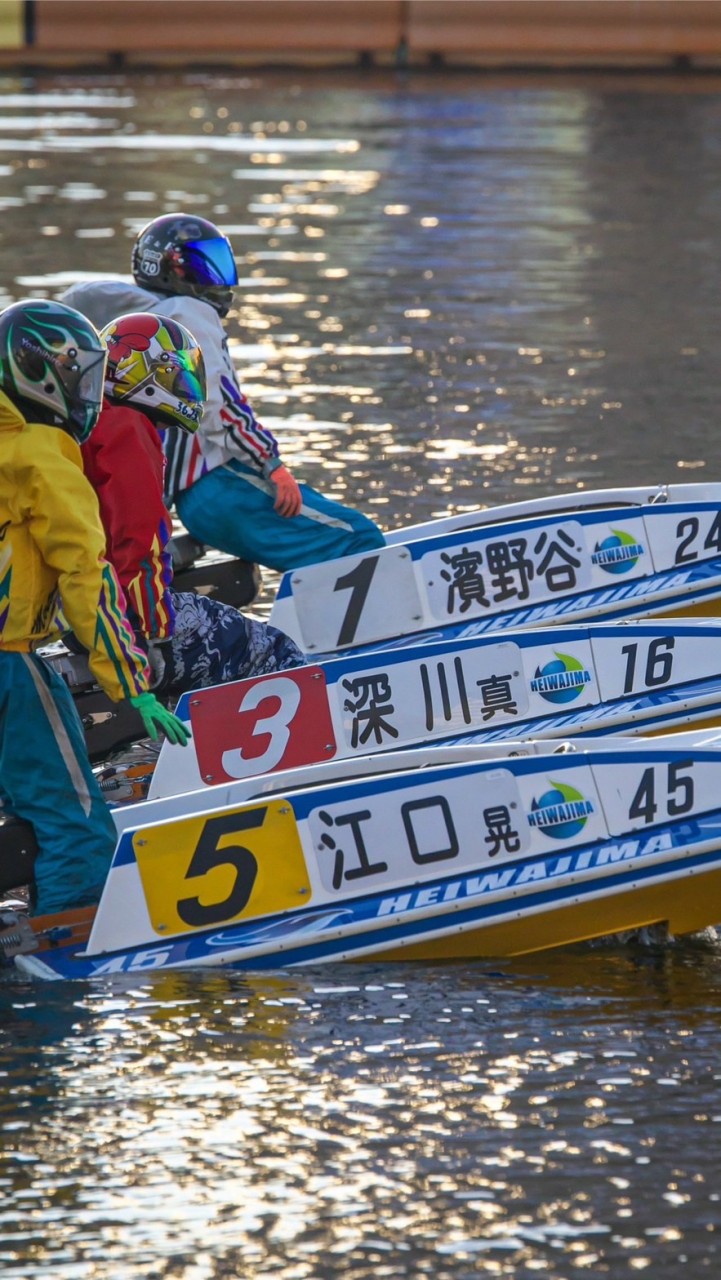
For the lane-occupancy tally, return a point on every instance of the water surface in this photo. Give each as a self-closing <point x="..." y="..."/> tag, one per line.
<point x="456" y="290"/>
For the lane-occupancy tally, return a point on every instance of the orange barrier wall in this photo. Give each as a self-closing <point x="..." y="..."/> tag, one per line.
<point x="413" y="30"/>
<point x="542" y="27"/>
<point x="151" y="27"/>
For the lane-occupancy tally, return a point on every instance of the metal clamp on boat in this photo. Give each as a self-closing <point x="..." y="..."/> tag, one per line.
<point x="16" y="936"/>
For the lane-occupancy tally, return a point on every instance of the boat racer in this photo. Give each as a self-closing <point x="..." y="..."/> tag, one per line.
<point x="52" y="367"/>
<point x="155" y="381"/>
<point x="229" y="485"/>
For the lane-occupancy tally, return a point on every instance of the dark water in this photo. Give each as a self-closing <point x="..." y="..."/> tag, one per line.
<point x="455" y="291"/>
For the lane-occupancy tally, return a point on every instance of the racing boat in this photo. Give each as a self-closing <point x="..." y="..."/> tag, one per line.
<point x="445" y="852"/>
<point x="261" y="870"/>
<point x="638" y="678"/>
<point x="615" y="678"/>
<point x="603" y="554"/>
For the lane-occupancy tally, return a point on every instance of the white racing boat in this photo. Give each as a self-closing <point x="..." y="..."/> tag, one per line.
<point x="639" y="678"/>
<point x="616" y="678"/>
<point x="228" y="862"/>
<point x="433" y="854"/>
<point x="604" y="554"/>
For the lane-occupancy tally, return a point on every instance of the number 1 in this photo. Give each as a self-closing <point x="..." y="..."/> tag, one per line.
<point x="359" y="580"/>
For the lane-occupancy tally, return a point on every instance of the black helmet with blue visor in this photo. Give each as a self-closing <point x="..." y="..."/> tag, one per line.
<point x="178" y="253"/>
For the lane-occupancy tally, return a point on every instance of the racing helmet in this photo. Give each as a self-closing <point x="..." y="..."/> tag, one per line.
<point x="155" y="365"/>
<point x="181" y="254"/>
<point x="52" y="365"/>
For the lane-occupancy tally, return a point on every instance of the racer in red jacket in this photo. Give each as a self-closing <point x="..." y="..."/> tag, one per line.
<point x="156" y="379"/>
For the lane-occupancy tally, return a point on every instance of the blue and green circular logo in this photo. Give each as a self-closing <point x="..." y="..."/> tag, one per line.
<point x="561" y="680"/>
<point x="618" y="553"/>
<point x="561" y="812"/>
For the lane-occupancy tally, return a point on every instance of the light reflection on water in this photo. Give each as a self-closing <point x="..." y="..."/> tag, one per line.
<point x="550" y="1117"/>
<point x="454" y="291"/>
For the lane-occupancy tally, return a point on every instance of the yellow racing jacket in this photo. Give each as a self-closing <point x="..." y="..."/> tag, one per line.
<point x="52" y="548"/>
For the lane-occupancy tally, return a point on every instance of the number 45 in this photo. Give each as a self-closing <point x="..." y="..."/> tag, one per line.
<point x="679" y="792"/>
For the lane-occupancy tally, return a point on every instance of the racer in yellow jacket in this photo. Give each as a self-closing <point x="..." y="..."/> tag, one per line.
<point x="52" y="368"/>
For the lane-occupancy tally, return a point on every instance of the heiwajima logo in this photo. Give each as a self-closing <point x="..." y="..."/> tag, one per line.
<point x="561" y="812"/>
<point x="618" y="553"/>
<point x="561" y="680"/>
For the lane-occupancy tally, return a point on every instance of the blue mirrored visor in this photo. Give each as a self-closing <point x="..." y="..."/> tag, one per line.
<point x="212" y="261"/>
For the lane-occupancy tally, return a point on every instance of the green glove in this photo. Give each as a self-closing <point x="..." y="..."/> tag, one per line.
<point x="157" y="719"/>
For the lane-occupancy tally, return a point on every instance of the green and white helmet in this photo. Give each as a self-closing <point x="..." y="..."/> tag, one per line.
<point x="52" y="365"/>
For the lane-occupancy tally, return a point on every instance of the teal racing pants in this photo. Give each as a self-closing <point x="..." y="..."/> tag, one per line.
<point x="231" y="508"/>
<point x="46" y="778"/>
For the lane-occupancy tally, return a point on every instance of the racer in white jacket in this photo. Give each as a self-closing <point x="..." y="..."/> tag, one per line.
<point x="229" y="486"/>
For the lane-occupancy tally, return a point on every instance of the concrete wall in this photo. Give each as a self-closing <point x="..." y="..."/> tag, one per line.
<point x="457" y="31"/>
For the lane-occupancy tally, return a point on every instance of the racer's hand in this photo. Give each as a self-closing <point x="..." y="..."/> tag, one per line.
<point x="158" y="720"/>
<point x="160" y="663"/>
<point x="288" y="500"/>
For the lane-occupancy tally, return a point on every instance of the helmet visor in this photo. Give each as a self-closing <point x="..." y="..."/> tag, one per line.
<point x="82" y="376"/>
<point x="182" y="378"/>
<point x="211" y="261"/>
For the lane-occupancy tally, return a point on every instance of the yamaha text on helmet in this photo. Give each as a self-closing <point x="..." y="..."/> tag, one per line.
<point x="52" y="365"/>
<point x="181" y="254"/>
<point x="155" y="365"/>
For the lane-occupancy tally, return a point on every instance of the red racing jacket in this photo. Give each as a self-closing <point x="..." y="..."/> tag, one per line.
<point x="123" y="460"/>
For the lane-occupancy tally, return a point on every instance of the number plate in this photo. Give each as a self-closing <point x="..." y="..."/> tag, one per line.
<point x="357" y="600"/>
<point x="255" y="726"/>
<point x="237" y="865"/>
<point x="430" y="697"/>
<point x="639" y="662"/>
<point x="640" y="793"/>
<point x="680" y="536"/>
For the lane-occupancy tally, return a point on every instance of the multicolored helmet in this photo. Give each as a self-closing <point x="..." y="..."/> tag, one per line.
<point x="155" y="365"/>
<point x="181" y="254"/>
<point x="52" y="365"/>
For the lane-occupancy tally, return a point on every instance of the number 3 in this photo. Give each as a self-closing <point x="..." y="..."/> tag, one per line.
<point x="277" y="726"/>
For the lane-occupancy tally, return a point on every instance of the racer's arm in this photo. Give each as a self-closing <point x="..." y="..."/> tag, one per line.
<point x="242" y="426"/>
<point x="123" y="461"/>
<point x="228" y="420"/>
<point x="65" y="526"/>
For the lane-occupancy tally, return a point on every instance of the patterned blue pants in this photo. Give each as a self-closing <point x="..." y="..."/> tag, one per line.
<point x="214" y="643"/>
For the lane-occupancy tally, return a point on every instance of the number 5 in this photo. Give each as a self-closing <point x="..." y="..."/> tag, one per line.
<point x="207" y="856"/>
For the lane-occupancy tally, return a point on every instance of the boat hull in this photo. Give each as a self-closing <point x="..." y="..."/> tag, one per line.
<point x="685" y="905"/>
<point x="441" y="854"/>
<point x="601" y="679"/>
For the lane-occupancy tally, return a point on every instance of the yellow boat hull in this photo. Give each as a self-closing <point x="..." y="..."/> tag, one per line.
<point x="686" y="905"/>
